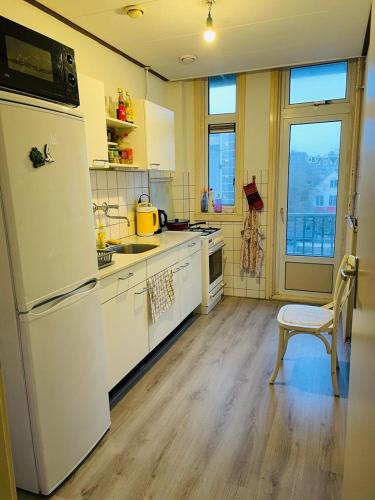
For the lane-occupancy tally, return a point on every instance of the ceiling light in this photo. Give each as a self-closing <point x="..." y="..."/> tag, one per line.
<point x="188" y="59"/>
<point x="134" y="11"/>
<point x="209" y="35"/>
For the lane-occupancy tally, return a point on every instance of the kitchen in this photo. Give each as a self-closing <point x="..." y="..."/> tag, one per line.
<point x="172" y="329"/>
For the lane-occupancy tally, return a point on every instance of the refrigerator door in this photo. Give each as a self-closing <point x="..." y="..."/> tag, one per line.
<point x="49" y="219"/>
<point x="66" y="381"/>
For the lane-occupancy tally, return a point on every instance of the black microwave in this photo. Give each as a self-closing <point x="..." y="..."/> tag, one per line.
<point x="35" y="65"/>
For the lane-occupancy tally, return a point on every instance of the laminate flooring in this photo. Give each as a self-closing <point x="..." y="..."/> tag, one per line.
<point x="204" y="424"/>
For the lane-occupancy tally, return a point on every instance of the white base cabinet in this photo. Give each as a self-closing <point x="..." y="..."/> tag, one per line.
<point x="129" y="332"/>
<point x="125" y="326"/>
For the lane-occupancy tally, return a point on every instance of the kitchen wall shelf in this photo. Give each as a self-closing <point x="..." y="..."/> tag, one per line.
<point x="114" y="123"/>
<point x="112" y="143"/>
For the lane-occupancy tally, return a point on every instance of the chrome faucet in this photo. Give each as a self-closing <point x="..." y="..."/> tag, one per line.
<point x="105" y="207"/>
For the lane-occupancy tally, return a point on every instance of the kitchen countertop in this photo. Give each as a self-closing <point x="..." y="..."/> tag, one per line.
<point x="165" y="241"/>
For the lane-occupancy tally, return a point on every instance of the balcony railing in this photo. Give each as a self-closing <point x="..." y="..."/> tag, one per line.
<point x="311" y="235"/>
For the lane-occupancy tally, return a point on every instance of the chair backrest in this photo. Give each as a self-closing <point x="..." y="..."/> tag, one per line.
<point x="343" y="285"/>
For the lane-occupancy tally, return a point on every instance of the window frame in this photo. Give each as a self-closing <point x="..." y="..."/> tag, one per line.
<point x="202" y="121"/>
<point x="298" y="107"/>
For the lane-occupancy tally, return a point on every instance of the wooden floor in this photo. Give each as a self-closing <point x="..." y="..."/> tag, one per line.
<point x="204" y="424"/>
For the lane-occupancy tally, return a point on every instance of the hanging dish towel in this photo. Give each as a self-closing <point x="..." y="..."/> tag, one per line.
<point x="252" y="252"/>
<point x="161" y="293"/>
<point x="253" y="197"/>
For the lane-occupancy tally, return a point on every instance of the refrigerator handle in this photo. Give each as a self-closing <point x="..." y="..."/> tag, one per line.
<point x="63" y="300"/>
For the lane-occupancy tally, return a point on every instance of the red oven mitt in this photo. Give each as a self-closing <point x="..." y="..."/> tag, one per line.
<point x="253" y="197"/>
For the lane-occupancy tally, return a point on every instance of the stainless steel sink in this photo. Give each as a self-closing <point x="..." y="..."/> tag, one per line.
<point x="132" y="248"/>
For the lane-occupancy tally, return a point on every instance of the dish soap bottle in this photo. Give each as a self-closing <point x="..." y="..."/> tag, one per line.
<point x="218" y="204"/>
<point x="101" y="237"/>
<point x="204" y="201"/>
<point x="211" y="200"/>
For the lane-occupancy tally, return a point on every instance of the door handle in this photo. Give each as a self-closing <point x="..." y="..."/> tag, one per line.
<point x="282" y="215"/>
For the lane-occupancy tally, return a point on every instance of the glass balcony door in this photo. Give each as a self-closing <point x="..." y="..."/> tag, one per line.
<point x="311" y="218"/>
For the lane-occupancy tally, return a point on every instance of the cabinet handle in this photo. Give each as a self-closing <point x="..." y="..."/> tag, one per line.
<point x="127" y="277"/>
<point x="187" y="264"/>
<point x="176" y="270"/>
<point x="192" y="244"/>
<point x="142" y="291"/>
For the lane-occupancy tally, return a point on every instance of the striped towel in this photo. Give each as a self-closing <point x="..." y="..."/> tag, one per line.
<point x="161" y="293"/>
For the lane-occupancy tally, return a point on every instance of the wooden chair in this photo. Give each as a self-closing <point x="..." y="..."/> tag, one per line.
<point x="295" y="319"/>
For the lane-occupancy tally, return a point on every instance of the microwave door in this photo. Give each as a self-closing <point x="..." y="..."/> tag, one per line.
<point x="30" y="63"/>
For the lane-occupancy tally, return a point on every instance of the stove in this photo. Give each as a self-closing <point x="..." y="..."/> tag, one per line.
<point x="205" y="231"/>
<point x="212" y="266"/>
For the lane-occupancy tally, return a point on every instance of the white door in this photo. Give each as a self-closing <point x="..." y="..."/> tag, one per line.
<point x="191" y="279"/>
<point x="160" y="137"/>
<point x="48" y="210"/>
<point x="125" y="330"/>
<point x="169" y="320"/>
<point x="66" y="381"/>
<point x="312" y="198"/>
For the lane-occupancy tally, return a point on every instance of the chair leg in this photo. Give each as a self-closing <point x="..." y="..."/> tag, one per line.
<point x="285" y="340"/>
<point x="334" y="366"/>
<point x="280" y="351"/>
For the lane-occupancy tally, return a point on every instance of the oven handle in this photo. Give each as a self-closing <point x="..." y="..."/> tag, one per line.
<point x="216" y="248"/>
<point x="223" y="285"/>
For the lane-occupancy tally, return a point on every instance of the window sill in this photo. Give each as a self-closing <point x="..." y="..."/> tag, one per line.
<point x="219" y="217"/>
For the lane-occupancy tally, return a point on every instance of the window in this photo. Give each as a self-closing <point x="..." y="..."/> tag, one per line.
<point x="222" y="94"/>
<point x="333" y="183"/>
<point x="332" y="200"/>
<point x="222" y="161"/>
<point x="221" y="139"/>
<point x="323" y="82"/>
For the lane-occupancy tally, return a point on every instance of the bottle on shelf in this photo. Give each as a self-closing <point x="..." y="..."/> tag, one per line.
<point x="121" y="112"/>
<point x="125" y="149"/>
<point x="211" y="200"/>
<point x="129" y="108"/>
<point x="204" y="201"/>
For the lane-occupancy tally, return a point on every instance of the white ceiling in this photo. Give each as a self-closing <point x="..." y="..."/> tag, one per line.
<point x="251" y="34"/>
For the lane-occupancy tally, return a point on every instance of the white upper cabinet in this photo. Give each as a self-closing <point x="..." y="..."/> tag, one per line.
<point x="91" y="93"/>
<point x="154" y="140"/>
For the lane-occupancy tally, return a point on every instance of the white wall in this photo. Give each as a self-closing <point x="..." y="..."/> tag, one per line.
<point x="92" y="58"/>
<point x="359" y="481"/>
<point x="181" y="100"/>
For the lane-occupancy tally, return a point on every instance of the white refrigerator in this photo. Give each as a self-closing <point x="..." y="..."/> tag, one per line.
<point x="51" y="345"/>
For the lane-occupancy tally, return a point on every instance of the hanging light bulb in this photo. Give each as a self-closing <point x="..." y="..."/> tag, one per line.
<point x="209" y="35"/>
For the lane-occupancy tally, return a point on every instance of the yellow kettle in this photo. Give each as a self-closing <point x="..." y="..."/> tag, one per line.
<point x="147" y="219"/>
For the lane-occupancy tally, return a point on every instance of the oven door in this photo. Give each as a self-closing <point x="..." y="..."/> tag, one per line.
<point x="216" y="265"/>
<point x="30" y="63"/>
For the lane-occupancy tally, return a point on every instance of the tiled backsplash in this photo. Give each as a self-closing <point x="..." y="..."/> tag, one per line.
<point x="118" y="188"/>
<point x="238" y="282"/>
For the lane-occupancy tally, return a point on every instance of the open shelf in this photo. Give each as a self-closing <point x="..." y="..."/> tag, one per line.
<point x="113" y="122"/>
<point x="124" y="166"/>
<point x="112" y="143"/>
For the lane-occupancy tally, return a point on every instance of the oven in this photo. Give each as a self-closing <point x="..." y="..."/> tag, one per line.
<point x="35" y="65"/>
<point x="212" y="270"/>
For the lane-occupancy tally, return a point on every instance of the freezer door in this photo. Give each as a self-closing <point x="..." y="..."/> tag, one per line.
<point x="66" y="381"/>
<point x="48" y="211"/>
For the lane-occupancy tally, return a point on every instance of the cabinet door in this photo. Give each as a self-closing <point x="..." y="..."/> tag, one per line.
<point x="125" y="327"/>
<point x="91" y="93"/>
<point x="169" y="320"/>
<point x="191" y="277"/>
<point x="160" y="137"/>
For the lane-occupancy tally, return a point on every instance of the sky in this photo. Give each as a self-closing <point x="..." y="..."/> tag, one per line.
<point x="316" y="138"/>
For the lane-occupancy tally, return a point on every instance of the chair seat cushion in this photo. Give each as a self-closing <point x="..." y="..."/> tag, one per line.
<point x="307" y="317"/>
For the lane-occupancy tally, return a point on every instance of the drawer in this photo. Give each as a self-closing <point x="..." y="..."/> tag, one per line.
<point x="162" y="261"/>
<point x="122" y="281"/>
<point x="189" y="248"/>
